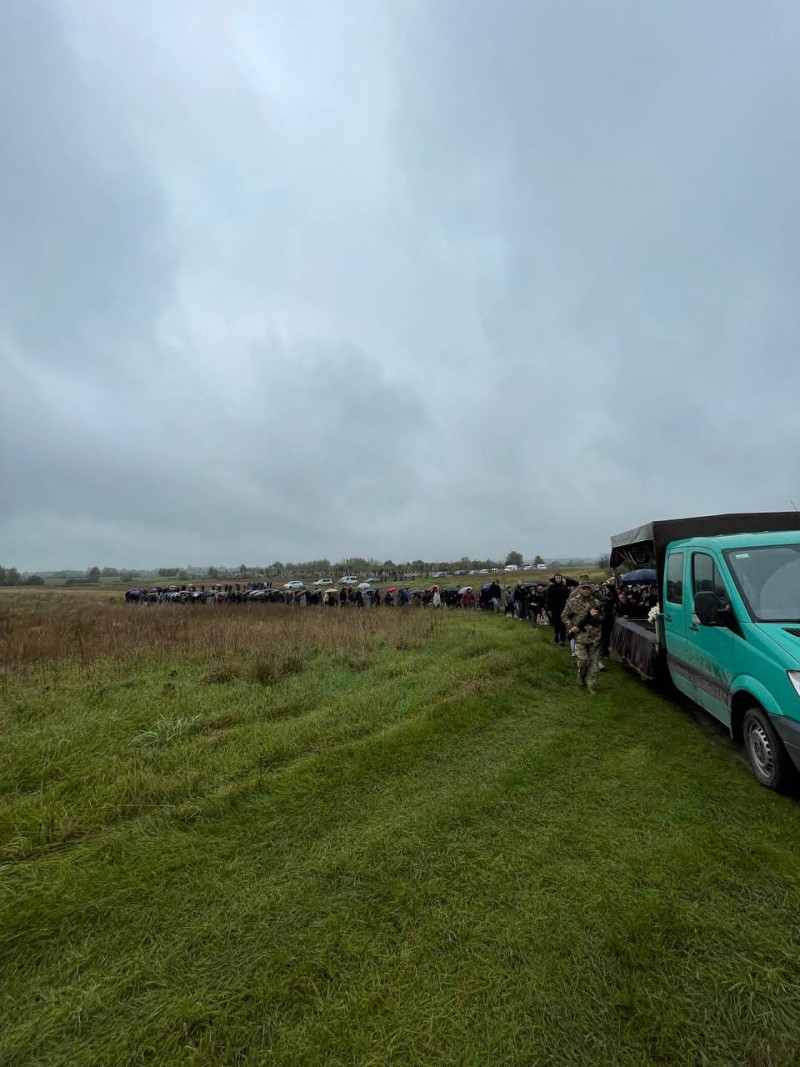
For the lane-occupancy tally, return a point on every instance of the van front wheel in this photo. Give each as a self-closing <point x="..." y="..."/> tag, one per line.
<point x="768" y="758"/>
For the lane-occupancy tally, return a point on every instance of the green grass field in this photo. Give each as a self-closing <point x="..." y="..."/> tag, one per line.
<point x="265" y="835"/>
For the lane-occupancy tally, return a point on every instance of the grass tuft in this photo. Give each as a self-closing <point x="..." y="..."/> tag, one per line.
<point x="220" y="675"/>
<point x="270" y="667"/>
<point x="165" y="731"/>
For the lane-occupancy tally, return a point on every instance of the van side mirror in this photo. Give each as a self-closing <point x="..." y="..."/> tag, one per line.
<point x="705" y="608"/>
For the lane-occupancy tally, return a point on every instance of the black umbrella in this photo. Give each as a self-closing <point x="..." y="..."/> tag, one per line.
<point x="646" y="576"/>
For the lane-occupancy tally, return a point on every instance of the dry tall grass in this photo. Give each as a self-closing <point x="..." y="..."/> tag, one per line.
<point x="46" y="628"/>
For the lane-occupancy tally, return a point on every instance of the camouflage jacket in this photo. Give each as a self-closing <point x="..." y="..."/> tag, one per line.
<point x="576" y="613"/>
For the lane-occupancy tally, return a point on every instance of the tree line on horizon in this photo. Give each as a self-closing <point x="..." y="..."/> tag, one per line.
<point x="11" y="576"/>
<point x="323" y="568"/>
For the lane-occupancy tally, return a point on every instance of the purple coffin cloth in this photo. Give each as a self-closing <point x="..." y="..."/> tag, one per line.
<point x="635" y="641"/>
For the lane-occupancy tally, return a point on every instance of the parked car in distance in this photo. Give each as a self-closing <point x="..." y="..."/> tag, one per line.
<point x="348" y="579"/>
<point x="324" y="581"/>
<point x="293" y="585"/>
<point x="511" y="567"/>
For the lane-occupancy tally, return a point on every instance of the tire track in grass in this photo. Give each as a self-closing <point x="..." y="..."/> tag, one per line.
<point x="493" y="880"/>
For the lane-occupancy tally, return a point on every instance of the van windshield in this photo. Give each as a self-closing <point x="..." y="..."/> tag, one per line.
<point x="769" y="580"/>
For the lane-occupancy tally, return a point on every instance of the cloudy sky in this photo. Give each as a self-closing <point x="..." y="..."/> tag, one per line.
<point x="392" y="277"/>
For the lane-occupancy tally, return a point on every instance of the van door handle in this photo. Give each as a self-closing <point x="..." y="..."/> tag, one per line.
<point x="667" y="618"/>
<point x="695" y="629"/>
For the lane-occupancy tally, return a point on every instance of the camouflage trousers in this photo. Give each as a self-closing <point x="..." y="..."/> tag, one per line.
<point x="588" y="657"/>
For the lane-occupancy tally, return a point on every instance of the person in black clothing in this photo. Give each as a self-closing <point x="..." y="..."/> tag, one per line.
<point x="608" y="595"/>
<point x="495" y="594"/>
<point x="555" y="599"/>
<point x="623" y="605"/>
<point x="630" y="607"/>
<point x="651" y="600"/>
<point x="521" y="600"/>
<point x="536" y="604"/>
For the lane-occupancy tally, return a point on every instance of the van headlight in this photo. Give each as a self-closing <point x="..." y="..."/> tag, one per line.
<point x="794" y="678"/>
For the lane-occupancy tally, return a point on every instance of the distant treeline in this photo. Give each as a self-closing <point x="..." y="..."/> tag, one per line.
<point x="11" y="576"/>
<point x="322" y="568"/>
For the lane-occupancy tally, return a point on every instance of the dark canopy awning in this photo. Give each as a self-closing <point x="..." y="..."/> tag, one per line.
<point x="646" y="546"/>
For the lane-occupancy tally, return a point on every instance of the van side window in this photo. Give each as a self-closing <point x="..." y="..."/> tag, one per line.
<point x="675" y="578"/>
<point x="702" y="573"/>
<point x="707" y="579"/>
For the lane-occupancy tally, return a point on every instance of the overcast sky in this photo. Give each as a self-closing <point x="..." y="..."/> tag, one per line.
<point x="393" y="278"/>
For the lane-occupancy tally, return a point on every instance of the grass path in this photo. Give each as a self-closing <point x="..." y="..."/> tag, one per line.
<point x="436" y="854"/>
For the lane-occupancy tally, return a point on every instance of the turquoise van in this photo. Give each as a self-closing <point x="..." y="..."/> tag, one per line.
<point x="729" y="629"/>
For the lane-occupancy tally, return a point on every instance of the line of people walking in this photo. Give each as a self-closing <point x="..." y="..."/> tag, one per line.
<point x="582" y="615"/>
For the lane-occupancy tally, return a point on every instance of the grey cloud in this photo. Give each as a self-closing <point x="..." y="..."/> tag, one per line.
<point x="87" y="262"/>
<point x="402" y="280"/>
<point x="318" y="443"/>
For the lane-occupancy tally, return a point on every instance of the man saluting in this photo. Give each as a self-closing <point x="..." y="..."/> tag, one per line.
<point x="583" y="618"/>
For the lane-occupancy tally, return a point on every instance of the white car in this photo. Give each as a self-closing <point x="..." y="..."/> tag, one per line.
<point x="293" y="585"/>
<point x="324" y="581"/>
<point x="348" y="579"/>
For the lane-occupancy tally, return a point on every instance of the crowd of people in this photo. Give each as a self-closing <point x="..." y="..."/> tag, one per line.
<point x="343" y="596"/>
<point x="540" y="602"/>
<point x="543" y="602"/>
<point x="581" y="613"/>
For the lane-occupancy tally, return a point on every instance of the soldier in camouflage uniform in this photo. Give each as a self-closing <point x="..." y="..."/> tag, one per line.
<point x="583" y="618"/>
